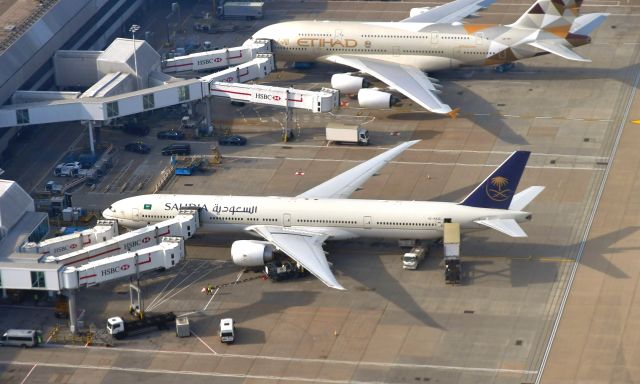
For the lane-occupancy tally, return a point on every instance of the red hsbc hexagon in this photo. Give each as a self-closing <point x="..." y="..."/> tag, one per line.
<point x="217" y="59"/>
<point x="124" y="267"/>
<point x="277" y="98"/>
<point x="73" y="246"/>
<point x="146" y="239"/>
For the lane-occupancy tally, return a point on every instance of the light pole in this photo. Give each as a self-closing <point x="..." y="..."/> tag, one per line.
<point x="134" y="28"/>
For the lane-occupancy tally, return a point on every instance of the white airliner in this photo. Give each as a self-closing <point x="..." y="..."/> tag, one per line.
<point x="431" y="39"/>
<point x="298" y="226"/>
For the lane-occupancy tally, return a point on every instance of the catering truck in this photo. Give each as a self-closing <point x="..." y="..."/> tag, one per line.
<point x="240" y="10"/>
<point x="120" y="328"/>
<point x="349" y="134"/>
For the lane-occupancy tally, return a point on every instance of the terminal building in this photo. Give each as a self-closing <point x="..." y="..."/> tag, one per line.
<point x="33" y="31"/>
<point x="20" y="224"/>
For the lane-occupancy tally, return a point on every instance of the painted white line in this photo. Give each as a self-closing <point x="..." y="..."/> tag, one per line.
<point x="481" y="114"/>
<point x="544" y="117"/>
<point x="203" y="343"/>
<point x="238" y="278"/>
<point x="505" y="115"/>
<point x="29" y="374"/>
<point x="413" y="162"/>
<point x="168" y="284"/>
<point x="587" y="230"/>
<point x="575" y="118"/>
<point x="428" y="150"/>
<point x="159" y="299"/>
<point x="322" y="361"/>
<point x="182" y="373"/>
<point x="165" y="299"/>
<point x="211" y="299"/>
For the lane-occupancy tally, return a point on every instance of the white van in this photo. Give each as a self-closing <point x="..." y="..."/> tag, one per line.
<point x="21" y="338"/>
<point x="227" y="330"/>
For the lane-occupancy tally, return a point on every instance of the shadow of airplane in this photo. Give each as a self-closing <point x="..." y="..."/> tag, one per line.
<point x="523" y="71"/>
<point x="375" y="277"/>
<point x="545" y="272"/>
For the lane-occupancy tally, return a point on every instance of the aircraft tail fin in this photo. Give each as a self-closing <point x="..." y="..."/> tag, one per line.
<point x="497" y="190"/>
<point x="554" y="16"/>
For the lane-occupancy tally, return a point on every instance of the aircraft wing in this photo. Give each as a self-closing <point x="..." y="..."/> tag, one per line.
<point x="303" y="247"/>
<point x="343" y="185"/>
<point x="409" y="81"/>
<point x="450" y="12"/>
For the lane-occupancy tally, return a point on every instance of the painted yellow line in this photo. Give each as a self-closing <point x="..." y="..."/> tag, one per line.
<point x="635" y="121"/>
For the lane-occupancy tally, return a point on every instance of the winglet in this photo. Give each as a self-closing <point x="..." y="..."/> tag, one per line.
<point x="454" y="113"/>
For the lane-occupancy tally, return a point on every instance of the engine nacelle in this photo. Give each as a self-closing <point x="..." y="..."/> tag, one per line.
<point x="251" y="253"/>
<point x="346" y="83"/>
<point x="372" y="98"/>
<point x="418" y="11"/>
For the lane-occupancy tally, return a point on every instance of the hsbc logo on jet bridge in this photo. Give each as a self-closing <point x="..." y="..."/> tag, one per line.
<point x="268" y="97"/>
<point x="112" y="270"/>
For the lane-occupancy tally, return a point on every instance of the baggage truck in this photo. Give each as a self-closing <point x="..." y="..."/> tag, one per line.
<point x="120" y="328"/>
<point x="240" y="10"/>
<point x="350" y="134"/>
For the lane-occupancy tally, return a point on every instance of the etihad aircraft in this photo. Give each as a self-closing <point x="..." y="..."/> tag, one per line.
<point x="298" y="226"/>
<point x="431" y="39"/>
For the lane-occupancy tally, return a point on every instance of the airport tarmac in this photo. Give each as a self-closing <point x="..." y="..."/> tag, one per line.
<point x="394" y="325"/>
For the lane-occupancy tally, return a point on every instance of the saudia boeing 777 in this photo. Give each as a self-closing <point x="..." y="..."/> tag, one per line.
<point x="397" y="53"/>
<point x="298" y="226"/>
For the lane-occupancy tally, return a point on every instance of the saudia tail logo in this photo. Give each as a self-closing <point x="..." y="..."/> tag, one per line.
<point x="497" y="189"/>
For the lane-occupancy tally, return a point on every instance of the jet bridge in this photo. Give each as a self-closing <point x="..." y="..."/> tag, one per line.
<point x="165" y="255"/>
<point x="219" y="58"/>
<point x="183" y="225"/>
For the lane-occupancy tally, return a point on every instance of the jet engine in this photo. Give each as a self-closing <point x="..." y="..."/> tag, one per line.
<point x="251" y="253"/>
<point x="347" y="83"/>
<point x="418" y="11"/>
<point x="372" y="98"/>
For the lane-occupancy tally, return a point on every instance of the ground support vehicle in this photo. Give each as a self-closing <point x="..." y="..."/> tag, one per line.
<point x="120" y="328"/>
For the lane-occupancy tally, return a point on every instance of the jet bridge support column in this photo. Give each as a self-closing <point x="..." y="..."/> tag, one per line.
<point x="91" y="143"/>
<point x="73" y="311"/>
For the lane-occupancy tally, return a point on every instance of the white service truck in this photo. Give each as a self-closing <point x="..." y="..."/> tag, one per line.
<point x="67" y="169"/>
<point x="240" y="10"/>
<point x="227" y="330"/>
<point x="343" y="133"/>
<point x="413" y="258"/>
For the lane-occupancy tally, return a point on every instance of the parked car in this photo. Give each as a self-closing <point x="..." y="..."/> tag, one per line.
<point x="232" y="140"/>
<point x="136" y="129"/>
<point x="177" y="149"/>
<point x="171" y="135"/>
<point x="138" y="147"/>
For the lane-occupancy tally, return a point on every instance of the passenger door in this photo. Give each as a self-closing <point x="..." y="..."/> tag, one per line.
<point x="286" y="220"/>
<point x="135" y="214"/>
<point x="366" y="221"/>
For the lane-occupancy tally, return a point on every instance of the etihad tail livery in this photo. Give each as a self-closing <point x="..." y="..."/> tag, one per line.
<point x="298" y="226"/>
<point x="397" y="53"/>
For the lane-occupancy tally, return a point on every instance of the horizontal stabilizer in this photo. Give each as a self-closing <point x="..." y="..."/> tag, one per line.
<point x="586" y="24"/>
<point x="507" y="226"/>
<point x="558" y="49"/>
<point x="522" y="199"/>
